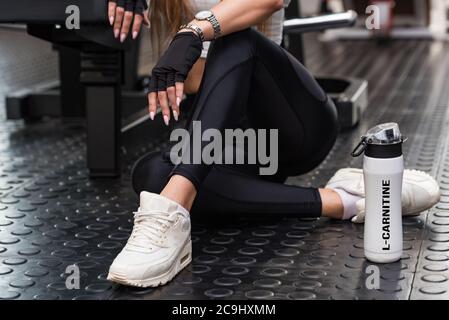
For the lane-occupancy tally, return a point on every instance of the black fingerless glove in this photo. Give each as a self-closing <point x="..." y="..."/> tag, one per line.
<point x="175" y="64"/>
<point x="136" y="6"/>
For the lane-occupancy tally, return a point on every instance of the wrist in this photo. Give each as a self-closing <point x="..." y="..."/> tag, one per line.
<point x="207" y="28"/>
<point x="202" y="29"/>
<point x="213" y="24"/>
<point x="192" y="29"/>
<point x="183" y="30"/>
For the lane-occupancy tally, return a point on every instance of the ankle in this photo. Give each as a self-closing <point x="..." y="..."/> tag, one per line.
<point x="180" y="190"/>
<point x="349" y="202"/>
<point x="332" y="205"/>
<point x="184" y="201"/>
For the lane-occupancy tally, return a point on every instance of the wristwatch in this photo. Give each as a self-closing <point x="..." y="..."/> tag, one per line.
<point x="209" y="16"/>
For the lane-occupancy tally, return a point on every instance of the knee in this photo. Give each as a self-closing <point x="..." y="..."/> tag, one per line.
<point x="150" y="173"/>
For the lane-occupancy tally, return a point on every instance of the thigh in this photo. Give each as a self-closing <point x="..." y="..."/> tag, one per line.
<point x="285" y="96"/>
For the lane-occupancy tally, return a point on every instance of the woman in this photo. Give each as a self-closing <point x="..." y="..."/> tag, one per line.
<point x="244" y="80"/>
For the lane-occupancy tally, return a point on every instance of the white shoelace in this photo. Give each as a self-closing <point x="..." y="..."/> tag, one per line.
<point x="149" y="228"/>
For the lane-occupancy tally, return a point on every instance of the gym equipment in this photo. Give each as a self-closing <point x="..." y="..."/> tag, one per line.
<point x="98" y="75"/>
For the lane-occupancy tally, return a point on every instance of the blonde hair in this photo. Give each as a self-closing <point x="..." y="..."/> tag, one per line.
<point x="167" y="15"/>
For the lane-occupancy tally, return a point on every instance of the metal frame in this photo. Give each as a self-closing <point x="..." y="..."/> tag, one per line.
<point x="96" y="80"/>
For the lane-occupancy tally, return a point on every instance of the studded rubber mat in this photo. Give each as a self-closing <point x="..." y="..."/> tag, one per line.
<point x="53" y="216"/>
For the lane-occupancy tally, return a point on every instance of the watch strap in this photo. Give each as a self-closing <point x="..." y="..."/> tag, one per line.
<point x="215" y="24"/>
<point x="196" y="29"/>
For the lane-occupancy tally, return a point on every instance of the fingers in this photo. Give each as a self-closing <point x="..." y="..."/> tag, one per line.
<point x="146" y="20"/>
<point x="179" y="92"/>
<point x="171" y="92"/>
<point x="165" y="97"/>
<point x="152" y="102"/>
<point x="119" y="14"/>
<point x="163" y="101"/>
<point x="112" y="5"/>
<point x="126" y="25"/>
<point x="137" y="25"/>
<point x="161" y="97"/>
<point x="124" y="16"/>
<point x="123" y="19"/>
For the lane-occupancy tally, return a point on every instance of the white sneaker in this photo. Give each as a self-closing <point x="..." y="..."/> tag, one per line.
<point x="420" y="191"/>
<point x="159" y="246"/>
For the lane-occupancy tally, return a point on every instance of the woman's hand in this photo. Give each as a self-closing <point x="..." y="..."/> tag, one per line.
<point x="167" y="79"/>
<point x="124" y="13"/>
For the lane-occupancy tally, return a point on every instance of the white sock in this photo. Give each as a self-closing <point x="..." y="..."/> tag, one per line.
<point x="349" y="201"/>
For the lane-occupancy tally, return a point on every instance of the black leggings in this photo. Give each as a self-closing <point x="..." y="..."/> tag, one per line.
<point x="248" y="74"/>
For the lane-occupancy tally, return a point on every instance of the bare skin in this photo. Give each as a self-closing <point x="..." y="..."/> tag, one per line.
<point x="124" y="22"/>
<point x="233" y="16"/>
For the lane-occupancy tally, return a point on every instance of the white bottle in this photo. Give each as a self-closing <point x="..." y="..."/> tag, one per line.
<point x="383" y="170"/>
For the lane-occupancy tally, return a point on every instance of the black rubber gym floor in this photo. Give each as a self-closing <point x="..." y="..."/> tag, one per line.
<point x="52" y="215"/>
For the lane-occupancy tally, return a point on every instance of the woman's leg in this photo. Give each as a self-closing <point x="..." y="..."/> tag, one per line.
<point x="247" y="70"/>
<point x="227" y="191"/>
<point x="248" y="74"/>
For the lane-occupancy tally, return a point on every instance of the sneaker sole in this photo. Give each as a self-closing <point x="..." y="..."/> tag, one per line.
<point x="183" y="260"/>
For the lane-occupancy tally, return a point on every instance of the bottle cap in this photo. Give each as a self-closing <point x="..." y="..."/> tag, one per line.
<point x="382" y="135"/>
<point x="386" y="133"/>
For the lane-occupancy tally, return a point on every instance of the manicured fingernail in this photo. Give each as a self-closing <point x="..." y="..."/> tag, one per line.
<point x="135" y="34"/>
<point x="152" y="115"/>
<point x="123" y="37"/>
<point x="166" y="120"/>
<point x="178" y="101"/>
<point x="111" y="20"/>
<point x="116" y="33"/>
<point x="175" y="115"/>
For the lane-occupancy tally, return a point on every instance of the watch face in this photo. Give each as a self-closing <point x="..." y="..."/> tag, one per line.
<point x="203" y="15"/>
